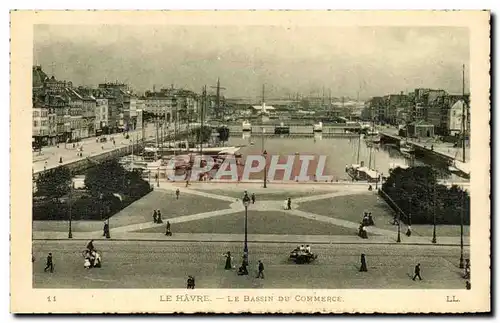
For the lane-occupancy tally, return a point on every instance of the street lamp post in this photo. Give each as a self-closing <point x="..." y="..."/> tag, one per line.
<point x="70" y="231"/>
<point x="461" y="264"/>
<point x="399" y="227"/>
<point x="158" y="176"/>
<point x="108" y="232"/>
<point x="434" y="204"/>
<point x="408" y="231"/>
<point x="265" y="168"/>
<point x="246" y="203"/>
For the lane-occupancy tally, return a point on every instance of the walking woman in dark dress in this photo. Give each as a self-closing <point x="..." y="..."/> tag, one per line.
<point x="159" y="220"/>
<point x="228" y="261"/>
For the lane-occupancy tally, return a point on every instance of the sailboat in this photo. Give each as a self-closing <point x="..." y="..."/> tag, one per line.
<point x="406" y="148"/>
<point x="351" y="169"/>
<point x="372" y="134"/>
<point x="359" y="172"/>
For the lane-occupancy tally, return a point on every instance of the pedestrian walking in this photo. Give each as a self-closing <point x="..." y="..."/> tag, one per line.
<point x="253" y="198"/>
<point x="105" y="229"/>
<point x="90" y="245"/>
<point x="50" y="264"/>
<point x="417" y="272"/>
<point x="158" y="219"/>
<point x="363" y="263"/>
<point x="260" y="274"/>
<point x="168" y="232"/>
<point x="228" y="265"/>
<point x="408" y="231"/>
<point x="467" y="285"/>
<point x="370" y="219"/>
<point x="289" y="203"/>
<point x="177" y="193"/>
<point x="155" y="217"/>
<point x="467" y="269"/>
<point x="190" y="282"/>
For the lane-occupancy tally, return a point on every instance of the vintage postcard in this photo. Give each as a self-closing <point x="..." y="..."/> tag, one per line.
<point x="250" y="161"/>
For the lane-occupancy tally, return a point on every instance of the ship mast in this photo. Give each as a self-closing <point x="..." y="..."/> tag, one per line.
<point x="463" y="113"/>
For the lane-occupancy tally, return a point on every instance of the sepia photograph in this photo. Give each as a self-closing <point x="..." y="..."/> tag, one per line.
<point x="250" y="161"/>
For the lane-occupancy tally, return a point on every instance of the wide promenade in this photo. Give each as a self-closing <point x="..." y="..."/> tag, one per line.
<point x="443" y="148"/>
<point x="162" y="264"/>
<point x="50" y="155"/>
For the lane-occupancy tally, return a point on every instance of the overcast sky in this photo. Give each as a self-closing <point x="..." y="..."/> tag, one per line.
<point x="369" y="60"/>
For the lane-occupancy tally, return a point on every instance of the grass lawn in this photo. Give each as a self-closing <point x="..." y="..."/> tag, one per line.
<point x="142" y="210"/>
<point x="351" y="208"/>
<point x="268" y="196"/>
<point x="259" y="222"/>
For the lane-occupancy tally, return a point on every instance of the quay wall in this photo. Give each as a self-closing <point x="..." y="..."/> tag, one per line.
<point x="420" y="150"/>
<point x="337" y="130"/>
<point x="85" y="162"/>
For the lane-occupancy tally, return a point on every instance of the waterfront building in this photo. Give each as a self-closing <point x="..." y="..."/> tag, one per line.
<point x="40" y="124"/>
<point x="455" y="116"/>
<point x="159" y="104"/>
<point x="101" y="115"/>
<point x="130" y="112"/>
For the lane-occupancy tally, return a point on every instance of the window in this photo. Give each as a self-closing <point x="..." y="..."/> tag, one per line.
<point x="35" y="123"/>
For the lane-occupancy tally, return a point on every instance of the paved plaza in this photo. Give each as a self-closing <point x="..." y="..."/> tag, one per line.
<point x="206" y="224"/>
<point x="166" y="264"/>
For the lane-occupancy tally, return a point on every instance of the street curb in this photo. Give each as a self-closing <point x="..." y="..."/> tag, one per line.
<point x="260" y="241"/>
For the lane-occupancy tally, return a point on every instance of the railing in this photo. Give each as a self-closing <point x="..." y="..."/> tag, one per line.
<point x="392" y="204"/>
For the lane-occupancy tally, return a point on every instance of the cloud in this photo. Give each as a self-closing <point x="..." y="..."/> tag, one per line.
<point x="369" y="60"/>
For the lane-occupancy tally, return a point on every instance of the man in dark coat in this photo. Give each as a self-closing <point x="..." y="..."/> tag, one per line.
<point x="289" y="203"/>
<point x="106" y="230"/>
<point x="90" y="245"/>
<point x="50" y="264"/>
<point x="155" y="216"/>
<point x="177" y="193"/>
<point x="363" y="263"/>
<point x="417" y="272"/>
<point x="261" y="270"/>
<point x="253" y="198"/>
<point x="168" y="232"/>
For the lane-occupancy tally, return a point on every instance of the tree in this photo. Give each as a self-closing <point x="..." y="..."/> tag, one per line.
<point x="417" y="192"/>
<point x="54" y="183"/>
<point x="106" y="178"/>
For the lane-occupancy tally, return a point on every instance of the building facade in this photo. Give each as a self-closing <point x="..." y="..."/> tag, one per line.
<point x="101" y="116"/>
